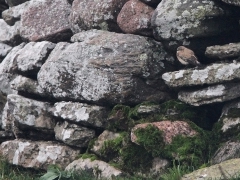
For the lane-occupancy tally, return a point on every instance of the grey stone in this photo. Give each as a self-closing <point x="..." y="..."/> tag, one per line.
<point x="148" y="109"/>
<point x="90" y="115"/>
<point x="232" y="2"/>
<point x="23" y="114"/>
<point x="105" y="68"/>
<point x="10" y="34"/>
<point x="212" y="74"/>
<point x="12" y="3"/>
<point x="184" y="19"/>
<point x="73" y="135"/>
<point x="159" y="166"/>
<point x="37" y="154"/>
<point x="228" y="150"/>
<point x="99" y="168"/>
<point x="13" y="14"/>
<point x="46" y="20"/>
<point x="91" y="14"/>
<point x="223" y="52"/>
<point x="4" y="50"/>
<point x="211" y="94"/>
<point x="225" y="170"/>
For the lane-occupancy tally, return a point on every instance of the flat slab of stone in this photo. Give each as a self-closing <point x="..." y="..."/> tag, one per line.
<point x="46" y="20"/>
<point x="37" y="154"/>
<point x="225" y="170"/>
<point x="211" y="94"/>
<point x="223" y="52"/>
<point x="212" y="74"/>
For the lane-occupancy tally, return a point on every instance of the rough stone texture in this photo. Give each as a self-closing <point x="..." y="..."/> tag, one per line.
<point x="91" y="14"/>
<point x="3" y="100"/>
<point x="46" y="20"/>
<point x="12" y="3"/>
<point x="13" y="14"/>
<point x="211" y="94"/>
<point x="10" y="34"/>
<point x="225" y="170"/>
<point x="4" y="50"/>
<point x="100" y="169"/>
<point x="170" y="129"/>
<point x="183" y="19"/>
<point x="90" y="115"/>
<point x="228" y="150"/>
<point x="37" y="154"/>
<point x="135" y="18"/>
<point x="159" y="166"/>
<point x="151" y="2"/>
<point x="102" y="138"/>
<point x="22" y="114"/>
<point x="28" y="86"/>
<point x="232" y="2"/>
<point x="148" y="109"/>
<point x="212" y="74"/>
<point x="223" y="52"/>
<point x="73" y="134"/>
<point x="105" y="68"/>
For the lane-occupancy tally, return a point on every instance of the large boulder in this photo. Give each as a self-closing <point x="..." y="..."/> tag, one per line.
<point x="135" y="18"/>
<point x="105" y="68"/>
<point x="81" y="113"/>
<point x="73" y="135"/>
<point x="39" y="22"/>
<point x="37" y="154"/>
<point x="91" y="14"/>
<point x="184" y="19"/>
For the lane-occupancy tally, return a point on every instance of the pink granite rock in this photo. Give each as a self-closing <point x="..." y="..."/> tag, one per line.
<point x="46" y="20"/>
<point x="135" y="18"/>
<point x="170" y="129"/>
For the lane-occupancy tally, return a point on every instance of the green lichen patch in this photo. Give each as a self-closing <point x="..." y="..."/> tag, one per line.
<point x="92" y="157"/>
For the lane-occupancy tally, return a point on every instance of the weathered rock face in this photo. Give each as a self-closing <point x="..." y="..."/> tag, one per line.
<point x="15" y="2"/>
<point x="225" y="170"/>
<point x="179" y="20"/>
<point x="14" y="13"/>
<point x="38" y="154"/>
<point x="88" y="115"/>
<point x="211" y="94"/>
<point x="232" y="2"/>
<point x="135" y="18"/>
<point x="4" y="50"/>
<point x="23" y="114"/>
<point x="169" y="129"/>
<point x="99" y="168"/>
<point x="73" y="134"/>
<point x="39" y="22"/>
<point x="231" y="50"/>
<point x="228" y="150"/>
<point x="9" y="34"/>
<point x="91" y="14"/>
<point x="111" y="69"/>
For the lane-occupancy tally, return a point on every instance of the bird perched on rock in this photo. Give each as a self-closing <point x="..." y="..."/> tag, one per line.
<point x="186" y="56"/>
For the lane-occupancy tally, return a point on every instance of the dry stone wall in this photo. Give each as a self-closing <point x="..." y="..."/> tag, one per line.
<point x="97" y="77"/>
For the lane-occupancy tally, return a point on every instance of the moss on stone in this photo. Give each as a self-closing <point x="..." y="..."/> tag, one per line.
<point x="92" y="157"/>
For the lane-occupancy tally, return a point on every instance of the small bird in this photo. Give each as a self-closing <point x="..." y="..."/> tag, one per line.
<point x="186" y="56"/>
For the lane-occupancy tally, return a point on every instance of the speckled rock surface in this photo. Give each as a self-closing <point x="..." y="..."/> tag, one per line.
<point x="228" y="150"/>
<point x="37" y="154"/>
<point x="81" y="113"/>
<point x="225" y="170"/>
<point x="99" y="168"/>
<point x="170" y="129"/>
<point x="4" y="50"/>
<point x="10" y="34"/>
<point x="232" y="2"/>
<point x="211" y="94"/>
<point x="39" y="22"/>
<point x="15" y="2"/>
<point x="135" y="18"/>
<point x="13" y="14"/>
<point x="91" y="14"/>
<point x="73" y="135"/>
<point x="22" y="113"/>
<point x="183" y="19"/>
<point x="223" y="52"/>
<point x="112" y="69"/>
<point x="212" y="74"/>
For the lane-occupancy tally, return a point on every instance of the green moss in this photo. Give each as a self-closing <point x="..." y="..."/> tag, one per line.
<point x="151" y="139"/>
<point x="92" y="157"/>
